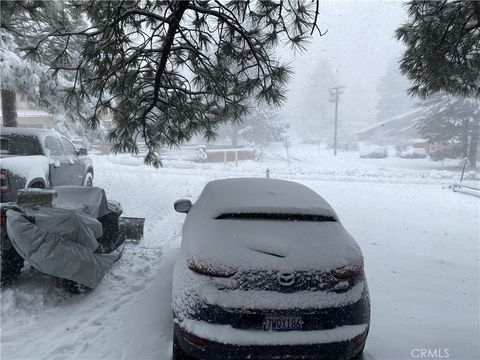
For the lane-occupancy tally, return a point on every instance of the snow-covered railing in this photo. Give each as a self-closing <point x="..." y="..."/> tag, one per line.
<point x="465" y="188"/>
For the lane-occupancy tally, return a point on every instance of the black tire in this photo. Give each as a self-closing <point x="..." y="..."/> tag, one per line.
<point x="178" y="353"/>
<point x="359" y="356"/>
<point x="37" y="185"/>
<point x="11" y="263"/>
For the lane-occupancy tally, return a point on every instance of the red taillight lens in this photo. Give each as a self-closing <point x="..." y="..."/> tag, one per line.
<point x="4" y="183"/>
<point x="194" y="340"/>
<point x="349" y="271"/>
<point x="3" y="219"/>
<point x="360" y="339"/>
<point x="209" y="270"/>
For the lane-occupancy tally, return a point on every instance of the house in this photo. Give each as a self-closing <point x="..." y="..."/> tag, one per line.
<point x="31" y="116"/>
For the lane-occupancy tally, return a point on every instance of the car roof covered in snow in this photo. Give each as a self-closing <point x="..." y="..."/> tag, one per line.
<point x="259" y="195"/>
<point x="27" y="131"/>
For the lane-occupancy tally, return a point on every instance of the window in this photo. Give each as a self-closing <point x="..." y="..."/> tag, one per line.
<point x="54" y="146"/>
<point x="68" y="148"/>
<point x="282" y="217"/>
<point x="20" y="145"/>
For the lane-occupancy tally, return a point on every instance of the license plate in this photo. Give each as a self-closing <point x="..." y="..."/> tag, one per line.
<point x="278" y="323"/>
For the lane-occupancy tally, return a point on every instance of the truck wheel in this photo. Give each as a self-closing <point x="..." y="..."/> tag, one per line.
<point x="37" y="185"/>
<point x="11" y="265"/>
<point x="88" y="179"/>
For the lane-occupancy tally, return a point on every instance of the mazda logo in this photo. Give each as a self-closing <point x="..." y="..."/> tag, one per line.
<point x="286" y="279"/>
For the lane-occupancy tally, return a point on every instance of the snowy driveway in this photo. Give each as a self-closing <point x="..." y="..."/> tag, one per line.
<point x="421" y="247"/>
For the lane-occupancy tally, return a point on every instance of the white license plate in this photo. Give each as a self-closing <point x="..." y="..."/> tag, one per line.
<point x="277" y="323"/>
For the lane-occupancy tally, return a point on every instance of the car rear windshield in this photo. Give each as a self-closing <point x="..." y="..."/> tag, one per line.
<point x="276" y="216"/>
<point x="19" y="145"/>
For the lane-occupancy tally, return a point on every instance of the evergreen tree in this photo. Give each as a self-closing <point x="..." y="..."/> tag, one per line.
<point x="260" y="126"/>
<point x="315" y="115"/>
<point x="442" y="55"/>
<point x="392" y="89"/>
<point x="450" y="118"/>
<point x="168" y="70"/>
<point x="442" y="39"/>
<point x="28" y="76"/>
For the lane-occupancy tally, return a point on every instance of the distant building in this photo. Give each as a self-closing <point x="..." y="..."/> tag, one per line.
<point x="29" y="115"/>
<point x="402" y="132"/>
<point x="394" y="131"/>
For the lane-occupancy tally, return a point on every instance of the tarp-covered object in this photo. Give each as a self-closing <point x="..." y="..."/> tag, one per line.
<point x="91" y="200"/>
<point x="61" y="241"/>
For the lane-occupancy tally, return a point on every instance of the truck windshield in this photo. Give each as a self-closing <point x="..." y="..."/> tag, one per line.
<point x="19" y="145"/>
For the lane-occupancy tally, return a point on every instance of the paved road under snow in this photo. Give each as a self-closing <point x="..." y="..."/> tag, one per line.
<point x="420" y="241"/>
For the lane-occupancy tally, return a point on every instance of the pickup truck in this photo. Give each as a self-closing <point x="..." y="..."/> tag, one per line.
<point x="40" y="158"/>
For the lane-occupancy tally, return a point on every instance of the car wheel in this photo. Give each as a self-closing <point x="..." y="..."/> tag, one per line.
<point x="178" y="353"/>
<point x="88" y="179"/>
<point x="37" y="185"/>
<point x="359" y="356"/>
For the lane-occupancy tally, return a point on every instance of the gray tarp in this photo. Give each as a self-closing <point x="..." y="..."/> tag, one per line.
<point x="63" y="240"/>
<point x="91" y="200"/>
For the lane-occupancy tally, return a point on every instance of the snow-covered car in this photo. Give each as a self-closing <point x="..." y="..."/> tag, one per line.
<point x="413" y="153"/>
<point x="266" y="270"/>
<point x="40" y="158"/>
<point x="375" y="152"/>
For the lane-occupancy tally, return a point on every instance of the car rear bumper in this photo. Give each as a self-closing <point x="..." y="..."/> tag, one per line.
<point x="339" y="343"/>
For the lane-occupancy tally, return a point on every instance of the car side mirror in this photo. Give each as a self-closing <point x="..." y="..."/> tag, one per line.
<point x="182" y="205"/>
<point x="82" y="152"/>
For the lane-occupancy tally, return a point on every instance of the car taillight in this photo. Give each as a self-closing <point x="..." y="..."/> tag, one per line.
<point x="208" y="270"/>
<point x="3" y="219"/>
<point x="4" y="183"/>
<point x="194" y="340"/>
<point x="349" y="271"/>
<point x="360" y="339"/>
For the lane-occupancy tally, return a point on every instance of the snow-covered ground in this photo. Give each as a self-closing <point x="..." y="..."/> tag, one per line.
<point x="420" y="241"/>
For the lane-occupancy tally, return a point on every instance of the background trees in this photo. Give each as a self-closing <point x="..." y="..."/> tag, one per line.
<point x="260" y="126"/>
<point x="31" y="77"/>
<point x="393" y="99"/>
<point x="450" y="118"/>
<point x="443" y="57"/>
<point x="168" y="70"/>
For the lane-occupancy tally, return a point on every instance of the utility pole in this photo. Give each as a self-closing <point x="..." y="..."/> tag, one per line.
<point x="335" y="93"/>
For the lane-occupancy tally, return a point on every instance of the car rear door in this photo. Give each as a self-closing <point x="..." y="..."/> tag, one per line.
<point x="77" y="166"/>
<point x="61" y="165"/>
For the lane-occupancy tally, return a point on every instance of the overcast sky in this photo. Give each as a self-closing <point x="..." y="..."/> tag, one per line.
<point x="358" y="45"/>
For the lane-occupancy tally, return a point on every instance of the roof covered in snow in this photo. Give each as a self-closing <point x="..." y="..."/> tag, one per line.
<point x="260" y="195"/>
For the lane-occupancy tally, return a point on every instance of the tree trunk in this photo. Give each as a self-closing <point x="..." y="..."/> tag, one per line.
<point x="472" y="153"/>
<point x="9" y="108"/>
